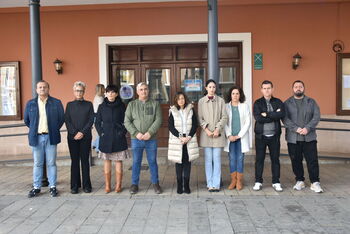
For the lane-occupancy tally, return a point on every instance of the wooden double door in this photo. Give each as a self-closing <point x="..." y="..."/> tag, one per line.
<point x="166" y="75"/>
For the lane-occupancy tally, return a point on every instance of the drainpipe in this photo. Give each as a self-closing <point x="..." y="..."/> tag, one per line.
<point x="35" y="43"/>
<point x="213" y="63"/>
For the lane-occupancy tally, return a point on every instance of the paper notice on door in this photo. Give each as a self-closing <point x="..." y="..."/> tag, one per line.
<point x="346" y="81"/>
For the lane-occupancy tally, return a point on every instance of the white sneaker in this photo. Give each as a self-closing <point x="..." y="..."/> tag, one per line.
<point x="316" y="187"/>
<point x="277" y="187"/>
<point x="257" y="186"/>
<point x="299" y="185"/>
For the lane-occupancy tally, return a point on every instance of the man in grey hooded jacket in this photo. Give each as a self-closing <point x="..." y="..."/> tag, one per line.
<point x="301" y="119"/>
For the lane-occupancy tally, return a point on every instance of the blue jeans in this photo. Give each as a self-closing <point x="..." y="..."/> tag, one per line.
<point x="44" y="149"/>
<point x="213" y="166"/>
<point x="137" y="147"/>
<point x="96" y="144"/>
<point x="236" y="157"/>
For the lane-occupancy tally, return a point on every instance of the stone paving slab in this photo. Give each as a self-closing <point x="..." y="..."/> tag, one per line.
<point x="335" y="179"/>
<point x="105" y="214"/>
<point x="228" y="211"/>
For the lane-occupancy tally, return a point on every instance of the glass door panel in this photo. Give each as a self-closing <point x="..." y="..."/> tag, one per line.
<point x="228" y="78"/>
<point x="158" y="80"/>
<point x="192" y="82"/>
<point x="125" y="77"/>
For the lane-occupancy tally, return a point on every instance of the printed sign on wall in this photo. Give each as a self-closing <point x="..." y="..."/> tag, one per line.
<point x="258" y="61"/>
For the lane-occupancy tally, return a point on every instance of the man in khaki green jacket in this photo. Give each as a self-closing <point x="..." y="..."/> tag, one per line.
<point x="143" y="118"/>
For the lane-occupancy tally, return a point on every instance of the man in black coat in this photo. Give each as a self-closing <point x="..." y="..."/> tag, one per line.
<point x="268" y="112"/>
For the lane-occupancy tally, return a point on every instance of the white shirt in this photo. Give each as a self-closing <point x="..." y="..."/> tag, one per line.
<point x="97" y="101"/>
<point x="183" y="121"/>
<point x="42" y="127"/>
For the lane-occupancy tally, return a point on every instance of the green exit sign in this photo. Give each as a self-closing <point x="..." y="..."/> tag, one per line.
<point x="258" y="61"/>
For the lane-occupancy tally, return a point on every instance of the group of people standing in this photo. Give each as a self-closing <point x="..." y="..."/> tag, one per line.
<point x="300" y="115"/>
<point x="224" y="126"/>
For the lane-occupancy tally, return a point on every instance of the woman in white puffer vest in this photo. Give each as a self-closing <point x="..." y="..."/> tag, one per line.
<point x="183" y="145"/>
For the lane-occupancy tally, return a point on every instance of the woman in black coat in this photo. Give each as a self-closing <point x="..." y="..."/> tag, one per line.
<point x="79" y="118"/>
<point x="113" y="145"/>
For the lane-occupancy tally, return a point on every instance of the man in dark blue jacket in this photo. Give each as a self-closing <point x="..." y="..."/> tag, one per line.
<point x="268" y="112"/>
<point x="44" y="116"/>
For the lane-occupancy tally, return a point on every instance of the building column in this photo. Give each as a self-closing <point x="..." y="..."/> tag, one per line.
<point x="35" y="47"/>
<point x="213" y="63"/>
<point x="35" y="43"/>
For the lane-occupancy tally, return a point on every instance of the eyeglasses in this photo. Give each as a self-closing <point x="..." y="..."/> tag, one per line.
<point x="79" y="91"/>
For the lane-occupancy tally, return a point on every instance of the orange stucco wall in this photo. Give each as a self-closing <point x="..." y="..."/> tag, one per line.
<point x="278" y="31"/>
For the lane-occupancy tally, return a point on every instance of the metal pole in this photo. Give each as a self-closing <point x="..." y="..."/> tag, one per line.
<point x="35" y="43"/>
<point x="35" y="46"/>
<point x="213" y="63"/>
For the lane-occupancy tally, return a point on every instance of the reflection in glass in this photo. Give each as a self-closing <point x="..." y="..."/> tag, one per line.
<point x="158" y="81"/>
<point x="125" y="77"/>
<point x="346" y="84"/>
<point x="192" y="82"/>
<point x="227" y="79"/>
<point x="8" y="104"/>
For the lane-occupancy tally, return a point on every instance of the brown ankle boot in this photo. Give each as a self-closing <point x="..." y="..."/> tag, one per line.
<point x="239" y="181"/>
<point x="118" y="181"/>
<point x="108" y="182"/>
<point x="233" y="180"/>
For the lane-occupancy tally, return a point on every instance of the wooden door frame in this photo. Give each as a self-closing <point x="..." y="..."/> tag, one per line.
<point x="244" y="38"/>
<point x="339" y="84"/>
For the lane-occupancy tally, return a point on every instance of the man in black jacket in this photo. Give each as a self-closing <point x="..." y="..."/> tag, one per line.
<point x="268" y="112"/>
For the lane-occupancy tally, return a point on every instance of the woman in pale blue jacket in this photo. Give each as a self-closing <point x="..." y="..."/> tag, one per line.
<point x="237" y="133"/>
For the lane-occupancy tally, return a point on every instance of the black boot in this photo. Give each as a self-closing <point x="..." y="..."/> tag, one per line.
<point x="187" y="185"/>
<point x="179" y="178"/>
<point x="179" y="186"/>
<point x="187" y="175"/>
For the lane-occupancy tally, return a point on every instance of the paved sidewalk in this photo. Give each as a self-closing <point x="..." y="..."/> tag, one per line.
<point x="244" y="211"/>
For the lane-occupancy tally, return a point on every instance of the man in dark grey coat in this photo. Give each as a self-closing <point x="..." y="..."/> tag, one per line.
<point x="302" y="117"/>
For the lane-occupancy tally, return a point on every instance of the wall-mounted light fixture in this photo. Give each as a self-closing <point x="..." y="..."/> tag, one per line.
<point x="58" y="66"/>
<point x="296" y="61"/>
<point x="338" y="46"/>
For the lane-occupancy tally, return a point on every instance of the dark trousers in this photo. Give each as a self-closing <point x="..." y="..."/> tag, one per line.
<point x="183" y="170"/>
<point x="79" y="152"/>
<point x="273" y="143"/>
<point x="309" y="151"/>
